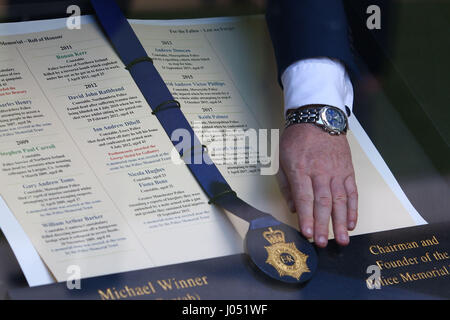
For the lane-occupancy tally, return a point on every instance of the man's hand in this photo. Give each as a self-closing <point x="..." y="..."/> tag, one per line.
<point x="318" y="181"/>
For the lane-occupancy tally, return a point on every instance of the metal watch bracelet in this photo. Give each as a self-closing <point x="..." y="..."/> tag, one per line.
<point x="331" y="119"/>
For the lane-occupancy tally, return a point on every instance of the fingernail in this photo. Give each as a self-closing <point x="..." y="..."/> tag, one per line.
<point x="351" y="225"/>
<point x="343" y="237"/>
<point x="322" y="240"/>
<point x="308" y="232"/>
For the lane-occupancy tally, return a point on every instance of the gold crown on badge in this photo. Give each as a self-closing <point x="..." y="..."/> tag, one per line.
<point x="273" y="237"/>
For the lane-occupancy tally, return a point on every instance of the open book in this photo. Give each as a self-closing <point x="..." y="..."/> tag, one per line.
<point x="87" y="175"/>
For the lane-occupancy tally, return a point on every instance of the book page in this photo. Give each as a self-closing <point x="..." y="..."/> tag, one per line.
<point x="86" y="168"/>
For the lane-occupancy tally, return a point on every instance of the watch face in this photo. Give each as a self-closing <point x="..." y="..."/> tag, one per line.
<point x="334" y="119"/>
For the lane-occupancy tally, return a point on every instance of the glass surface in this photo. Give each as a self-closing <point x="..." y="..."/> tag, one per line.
<point x="335" y="119"/>
<point x="402" y="94"/>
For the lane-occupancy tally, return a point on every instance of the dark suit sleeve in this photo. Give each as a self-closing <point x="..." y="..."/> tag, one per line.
<point x="302" y="29"/>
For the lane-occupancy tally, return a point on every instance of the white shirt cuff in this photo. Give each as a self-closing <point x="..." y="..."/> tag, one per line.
<point x="317" y="81"/>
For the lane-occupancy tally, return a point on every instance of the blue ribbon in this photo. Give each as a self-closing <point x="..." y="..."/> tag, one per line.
<point x="166" y="108"/>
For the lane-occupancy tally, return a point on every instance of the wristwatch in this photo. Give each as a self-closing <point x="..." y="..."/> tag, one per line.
<point x="331" y="119"/>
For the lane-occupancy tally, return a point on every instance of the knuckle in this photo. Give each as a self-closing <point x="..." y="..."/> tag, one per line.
<point x="340" y="198"/>
<point x="306" y="198"/>
<point x="353" y="194"/>
<point x="305" y="219"/>
<point x="299" y="166"/>
<point x="324" y="201"/>
<point x="321" y="228"/>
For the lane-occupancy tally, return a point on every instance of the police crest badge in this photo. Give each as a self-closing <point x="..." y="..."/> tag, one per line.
<point x="289" y="257"/>
<point x="284" y="257"/>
